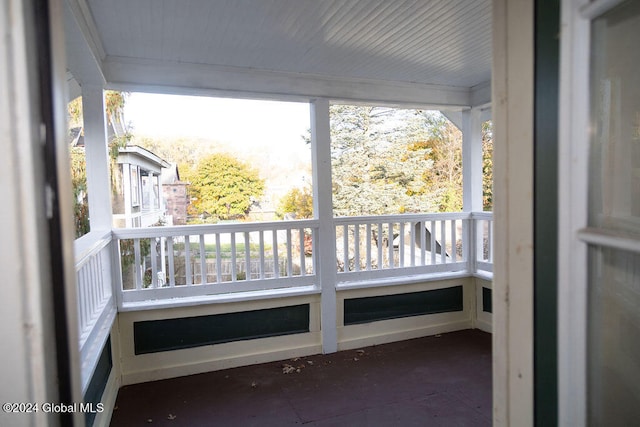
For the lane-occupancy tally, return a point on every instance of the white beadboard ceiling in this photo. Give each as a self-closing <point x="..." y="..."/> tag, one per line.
<point x="401" y="42"/>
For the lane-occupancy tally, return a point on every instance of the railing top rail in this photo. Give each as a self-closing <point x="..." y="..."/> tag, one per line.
<point x="482" y="215"/>
<point x="401" y="217"/>
<point x="89" y="245"/>
<point x="191" y="230"/>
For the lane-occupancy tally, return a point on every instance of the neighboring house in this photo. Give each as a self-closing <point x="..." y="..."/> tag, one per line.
<point x="175" y="195"/>
<point x="137" y="200"/>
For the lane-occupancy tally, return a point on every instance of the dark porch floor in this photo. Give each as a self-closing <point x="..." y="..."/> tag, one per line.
<point x="435" y="381"/>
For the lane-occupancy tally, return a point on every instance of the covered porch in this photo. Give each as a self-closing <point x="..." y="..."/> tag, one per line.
<point x="161" y="302"/>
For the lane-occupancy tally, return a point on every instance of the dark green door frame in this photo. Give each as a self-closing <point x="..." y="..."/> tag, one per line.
<point x="547" y="29"/>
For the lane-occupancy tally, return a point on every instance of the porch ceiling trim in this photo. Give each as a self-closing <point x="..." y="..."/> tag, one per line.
<point x="185" y="78"/>
<point x="84" y="48"/>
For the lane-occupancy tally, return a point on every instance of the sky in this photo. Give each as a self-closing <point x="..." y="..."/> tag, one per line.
<point x="232" y="121"/>
<point x="266" y="134"/>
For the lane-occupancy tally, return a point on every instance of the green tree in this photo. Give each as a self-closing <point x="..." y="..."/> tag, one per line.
<point x="298" y="202"/>
<point x="487" y="165"/>
<point x="387" y="161"/>
<point x="223" y="186"/>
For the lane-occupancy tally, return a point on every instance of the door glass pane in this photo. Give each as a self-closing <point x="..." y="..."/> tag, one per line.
<point x="615" y="120"/>
<point x="614" y="338"/>
<point x="613" y="326"/>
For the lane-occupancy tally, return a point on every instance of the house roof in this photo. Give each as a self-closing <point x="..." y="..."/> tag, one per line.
<point x="135" y="155"/>
<point x="406" y="52"/>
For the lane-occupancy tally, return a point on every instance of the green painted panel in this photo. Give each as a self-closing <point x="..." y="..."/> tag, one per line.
<point x="98" y="382"/>
<point x="371" y="309"/>
<point x="153" y="336"/>
<point x="487" y="304"/>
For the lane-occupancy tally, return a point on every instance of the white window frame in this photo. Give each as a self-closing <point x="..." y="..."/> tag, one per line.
<point x="574" y="235"/>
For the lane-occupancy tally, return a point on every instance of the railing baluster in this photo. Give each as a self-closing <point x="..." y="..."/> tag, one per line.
<point x="247" y="256"/>
<point x="153" y="251"/>
<point x="443" y="241"/>
<point x="303" y="267"/>
<point x="423" y="242"/>
<point x="380" y="260"/>
<point x="188" y="279"/>
<point x="218" y="259"/>
<point x="490" y="240"/>
<point x="433" y="246"/>
<point x="289" y="253"/>
<point x="203" y="261"/>
<point x="136" y="263"/>
<point x="356" y="246"/>
<point x="412" y="242"/>
<point x="261" y="238"/>
<point x="234" y="273"/>
<point x="401" y="245"/>
<point x="368" y="231"/>
<point x="345" y="247"/>
<point x="83" y="297"/>
<point x="454" y="241"/>
<point x="172" y="267"/>
<point x="276" y="262"/>
<point x="390" y="244"/>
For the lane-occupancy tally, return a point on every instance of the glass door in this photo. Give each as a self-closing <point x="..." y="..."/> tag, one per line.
<point x="613" y="233"/>
<point x="599" y="300"/>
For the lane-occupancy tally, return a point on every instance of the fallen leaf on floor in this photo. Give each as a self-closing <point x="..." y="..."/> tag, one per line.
<point x="254" y="384"/>
<point x="295" y="359"/>
<point x="355" y="359"/>
<point x="360" y="352"/>
<point x="171" y="417"/>
<point x="310" y="362"/>
<point x="149" y="420"/>
<point x="288" y="369"/>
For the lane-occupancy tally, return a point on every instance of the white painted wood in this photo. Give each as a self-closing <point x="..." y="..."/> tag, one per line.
<point x="96" y="152"/>
<point x="513" y="209"/>
<point x="175" y="363"/>
<point x="183" y="78"/>
<point x="472" y="160"/>
<point x="481" y="94"/>
<point x="385" y="331"/>
<point x="572" y="214"/>
<point x="82" y="61"/>
<point x="368" y="40"/>
<point x="323" y="213"/>
<point x="595" y="8"/>
<point x="28" y="367"/>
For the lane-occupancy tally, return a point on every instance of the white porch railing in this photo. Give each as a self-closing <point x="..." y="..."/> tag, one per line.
<point x="96" y="305"/>
<point x="483" y="238"/>
<point x="163" y="263"/>
<point x="191" y="261"/>
<point x="400" y="245"/>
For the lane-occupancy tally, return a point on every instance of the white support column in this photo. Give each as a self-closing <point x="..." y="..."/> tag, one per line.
<point x="96" y="151"/>
<point x="323" y="211"/>
<point x="471" y="127"/>
<point x="472" y="160"/>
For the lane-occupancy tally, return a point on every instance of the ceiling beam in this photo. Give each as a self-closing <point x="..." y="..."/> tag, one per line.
<point x="84" y="60"/>
<point x="187" y="78"/>
<point x="481" y="95"/>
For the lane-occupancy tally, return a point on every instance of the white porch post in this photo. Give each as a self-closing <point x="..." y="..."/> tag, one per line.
<point x="96" y="151"/>
<point x="471" y="127"/>
<point x="323" y="210"/>
<point x="472" y="160"/>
